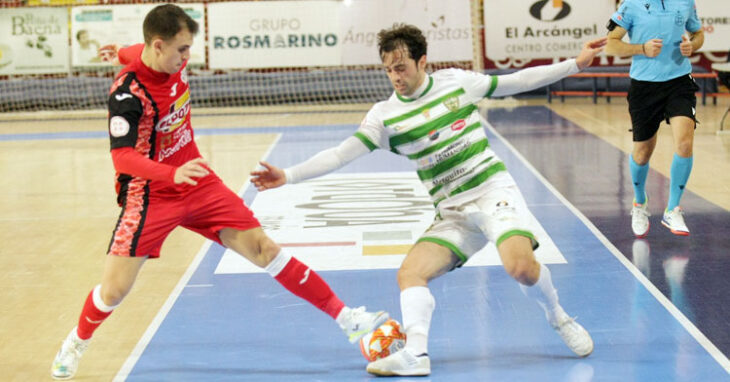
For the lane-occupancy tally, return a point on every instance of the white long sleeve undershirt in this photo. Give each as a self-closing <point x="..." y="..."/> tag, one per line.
<point x="534" y="78"/>
<point x="327" y="160"/>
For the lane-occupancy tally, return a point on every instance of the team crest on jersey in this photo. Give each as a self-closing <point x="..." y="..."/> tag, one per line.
<point x="678" y="19"/>
<point x="452" y="103"/>
<point x="184" y="76"/>
<point x="178" y="114"/>
<point x="433" y="135"/>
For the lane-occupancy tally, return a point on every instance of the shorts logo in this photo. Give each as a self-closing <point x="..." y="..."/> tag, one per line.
<point x="502" y="203"/>
<point x="118" y="126"/>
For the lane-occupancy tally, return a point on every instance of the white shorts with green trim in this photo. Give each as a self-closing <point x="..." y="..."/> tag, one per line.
<point x="495" y="216"/>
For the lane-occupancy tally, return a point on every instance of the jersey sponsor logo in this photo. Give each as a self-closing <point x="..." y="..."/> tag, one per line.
<point x="451" y="150"/>
<point x="458" y="125"/>
<point x="457" y="172"/>
<point x="177" y="116"/>
<point x="433" y="135"/>
<point x="452" y="103"/>
<point x="118" y="126"/>
<point x="426" y="162"/>
<point x="122" y="97"/>
<point x="167" y="152"/>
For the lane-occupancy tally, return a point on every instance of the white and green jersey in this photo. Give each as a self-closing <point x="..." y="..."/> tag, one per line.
<point x="441" y="131"/>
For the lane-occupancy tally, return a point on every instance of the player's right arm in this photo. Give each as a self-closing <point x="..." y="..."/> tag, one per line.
<point x="369" y="136"/>
<point x="620" y="23"/>
<point x="320" y="164"/>
<point x="125" y="112"/>
<point x="617" y="47"/>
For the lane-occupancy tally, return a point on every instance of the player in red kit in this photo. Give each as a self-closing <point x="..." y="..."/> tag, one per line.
<point x="162" y="182"/>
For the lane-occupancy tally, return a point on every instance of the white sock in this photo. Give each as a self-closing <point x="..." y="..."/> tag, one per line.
<point x="545" y="294"/>
<point x="417" y="305"/>
<point x="341" y="317"/>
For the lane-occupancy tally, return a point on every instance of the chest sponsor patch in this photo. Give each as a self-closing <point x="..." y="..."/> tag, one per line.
<point x="458" y="125"/>
<point x="118" y="126"/>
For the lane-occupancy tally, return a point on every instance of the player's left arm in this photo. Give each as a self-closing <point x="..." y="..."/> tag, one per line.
<point x="696" y="34"/>
<point x="539" y="76"/>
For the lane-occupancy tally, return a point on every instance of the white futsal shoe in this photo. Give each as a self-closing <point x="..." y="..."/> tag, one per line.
<point x="67" y="360"/>
<point x="358" y="322"/>
<point x="675" y="221"/>
<point x="402" y="362"/>
<point x="574" y="335"/>
<point x="640" y="219"/>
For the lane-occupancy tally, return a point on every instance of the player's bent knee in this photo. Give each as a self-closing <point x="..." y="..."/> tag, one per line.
<point x="525" y="270"/>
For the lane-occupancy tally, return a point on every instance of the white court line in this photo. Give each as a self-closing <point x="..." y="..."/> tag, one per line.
<point x="683" y="320"/>
<point x="126" y="368"/>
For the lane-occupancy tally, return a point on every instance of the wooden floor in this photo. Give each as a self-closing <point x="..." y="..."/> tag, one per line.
<point x="57" y="211"/>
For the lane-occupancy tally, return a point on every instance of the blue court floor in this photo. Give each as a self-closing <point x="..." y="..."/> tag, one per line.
<point x="656" y="308"/>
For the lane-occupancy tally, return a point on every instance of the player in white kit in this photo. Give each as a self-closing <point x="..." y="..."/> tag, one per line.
<point x="433" y="120"/>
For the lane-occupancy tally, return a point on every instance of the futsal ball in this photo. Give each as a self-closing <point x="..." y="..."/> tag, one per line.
<point x="383" y="341"/>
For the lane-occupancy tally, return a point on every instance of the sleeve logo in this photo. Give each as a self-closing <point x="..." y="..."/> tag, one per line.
<point x="118" y="126"/>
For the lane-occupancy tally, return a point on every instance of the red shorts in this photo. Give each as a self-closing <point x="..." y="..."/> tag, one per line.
<point x="147" y="218"/>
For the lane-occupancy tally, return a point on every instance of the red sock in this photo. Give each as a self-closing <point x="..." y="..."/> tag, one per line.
<point x="306" y="283"/>
<point x="92" y="316"/>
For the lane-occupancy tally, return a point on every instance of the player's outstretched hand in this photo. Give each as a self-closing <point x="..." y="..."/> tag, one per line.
<point x="268" y="177"/>
<point x="108" y="53"/>
<point x="191" y="169"/>
<point x="590" y="51"/>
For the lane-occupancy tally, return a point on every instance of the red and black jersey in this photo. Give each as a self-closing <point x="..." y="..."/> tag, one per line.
<point x="149" y="112"/>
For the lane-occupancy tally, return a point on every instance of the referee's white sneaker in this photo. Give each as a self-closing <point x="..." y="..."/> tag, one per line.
<point x="574" y="335"/>
<point x="640" y="219"/>
<point x="674" y="220"/>
<point x="358" y="322"/>
<point x="67" y="359"/>
<point x="402" y="362"/>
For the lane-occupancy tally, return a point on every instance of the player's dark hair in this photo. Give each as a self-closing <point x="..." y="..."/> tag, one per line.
<point x="166" y="21"/>
<point x="402" y="35"/>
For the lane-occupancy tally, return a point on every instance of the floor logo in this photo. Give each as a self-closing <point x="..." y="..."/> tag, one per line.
<point x="550" y="10"/>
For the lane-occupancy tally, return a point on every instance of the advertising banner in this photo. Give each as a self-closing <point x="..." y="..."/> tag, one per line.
<point x="274" y="34"/>
<point x="330" y="33"/>
<point x="446" y="24"/>
<point x="95" y="26"/>
<point x="34" y="41"/>
<point x="529" y="29"/>
<point x="715" y="17"/>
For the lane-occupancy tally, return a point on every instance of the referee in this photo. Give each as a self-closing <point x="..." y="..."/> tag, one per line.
<point x="662" y="89"/>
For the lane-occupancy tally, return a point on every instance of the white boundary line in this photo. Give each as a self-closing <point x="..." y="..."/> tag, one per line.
<point x="683" y="320"/>
<point x="128" y="365"/>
